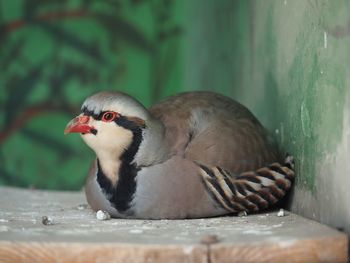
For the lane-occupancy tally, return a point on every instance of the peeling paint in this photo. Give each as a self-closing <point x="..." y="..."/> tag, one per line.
<point x="291" y="68"/>
<point x="305" y="120"/>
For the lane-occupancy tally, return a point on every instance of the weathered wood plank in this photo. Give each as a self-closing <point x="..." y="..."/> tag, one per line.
<point x="327" y="249"/>
<point x="77" y="236"/>
<point x="47" y="252"/>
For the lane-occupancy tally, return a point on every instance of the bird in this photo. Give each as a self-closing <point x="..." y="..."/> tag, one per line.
<point x="192" y="155"/>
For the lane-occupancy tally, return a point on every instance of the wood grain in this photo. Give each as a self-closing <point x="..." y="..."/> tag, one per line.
<point x="77" y="236"/>
<point x="34" y="252"/>
<point x="310" y="251"/>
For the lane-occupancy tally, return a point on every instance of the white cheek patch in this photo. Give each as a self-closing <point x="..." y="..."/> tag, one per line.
<point x="110" y="139"/>
<point x="111" y="135"/>
<point x="109" y="144"/>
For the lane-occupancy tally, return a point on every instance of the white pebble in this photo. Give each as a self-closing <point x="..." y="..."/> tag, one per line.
<point x="47" y="221"/>
<point x="102" y="215"/>
<point x="281" y="213"/>
<point x="242" y="214"/>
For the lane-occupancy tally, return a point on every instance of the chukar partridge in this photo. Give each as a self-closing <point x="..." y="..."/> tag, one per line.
<point x="196" y="154"/>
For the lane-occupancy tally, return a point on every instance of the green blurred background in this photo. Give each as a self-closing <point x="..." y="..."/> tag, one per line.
<point x="286" y="60"/>
<point x="55" y="53"/>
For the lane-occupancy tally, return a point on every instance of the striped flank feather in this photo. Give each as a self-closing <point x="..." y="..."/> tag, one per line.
<point x="249" y="191"/>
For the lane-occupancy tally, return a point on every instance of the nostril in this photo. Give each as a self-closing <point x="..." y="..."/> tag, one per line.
<point x="84" y="119"/>
<point x="93" y="131"/>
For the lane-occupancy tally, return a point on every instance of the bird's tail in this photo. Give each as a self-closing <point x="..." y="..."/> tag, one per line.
<point x="249" y="191"/>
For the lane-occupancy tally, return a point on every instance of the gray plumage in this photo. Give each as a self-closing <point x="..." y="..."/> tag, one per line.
<point x="197" y="154"/>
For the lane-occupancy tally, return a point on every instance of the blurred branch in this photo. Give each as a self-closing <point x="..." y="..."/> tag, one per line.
<point x="61" y="35"/>
<point x="48" y="141"/>
<point x="9" y="53"/>
<point x="12" y="179"/>
<point x="113" y="23"/>
<point x="131" y="34"/>
<point x="48" y="17"/>
<point x="31" y="112"/>
<point x="7" y="177"/>
<point x="19" y="89"/>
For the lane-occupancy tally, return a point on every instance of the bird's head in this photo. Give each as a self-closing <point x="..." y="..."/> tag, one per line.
<point x="110" y="123"/>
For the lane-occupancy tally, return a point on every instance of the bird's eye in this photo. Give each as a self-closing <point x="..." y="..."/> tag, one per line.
<point x="109" y="116"/>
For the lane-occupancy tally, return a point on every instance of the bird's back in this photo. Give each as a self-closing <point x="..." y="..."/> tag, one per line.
<point x="215" y="130"/>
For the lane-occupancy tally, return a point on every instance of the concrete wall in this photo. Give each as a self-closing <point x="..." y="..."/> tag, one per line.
<point x="288" y="61"/>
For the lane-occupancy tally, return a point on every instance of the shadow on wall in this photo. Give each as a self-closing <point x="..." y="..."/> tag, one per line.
<point x="55" y="53"/>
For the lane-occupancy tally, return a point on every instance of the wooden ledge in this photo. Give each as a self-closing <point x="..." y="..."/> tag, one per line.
<point x="75" y="235"/>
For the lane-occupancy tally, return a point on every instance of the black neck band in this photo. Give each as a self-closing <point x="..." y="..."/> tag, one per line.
<point x="121" y="194"/>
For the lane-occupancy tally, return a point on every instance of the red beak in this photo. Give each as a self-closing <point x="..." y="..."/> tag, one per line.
<point x="79" y="124"/>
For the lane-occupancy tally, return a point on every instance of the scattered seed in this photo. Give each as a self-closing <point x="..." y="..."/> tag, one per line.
<point x="47" y="221"/>
<point x="281" y="213"/>
<point x="242" y="213"/>
<point x="103" y="215"/>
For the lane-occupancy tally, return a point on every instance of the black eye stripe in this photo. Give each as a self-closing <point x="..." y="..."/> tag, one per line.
<point x="121" y="120"/>
<point x="90" y="113"/>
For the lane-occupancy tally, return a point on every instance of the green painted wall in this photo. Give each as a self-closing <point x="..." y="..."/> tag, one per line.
<point x="288" y="61"/>
<point x="55" y="53"/>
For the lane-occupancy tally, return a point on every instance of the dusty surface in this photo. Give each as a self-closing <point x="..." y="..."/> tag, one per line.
<point x="288" y="62"/>
<point x="22" y="212"/>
